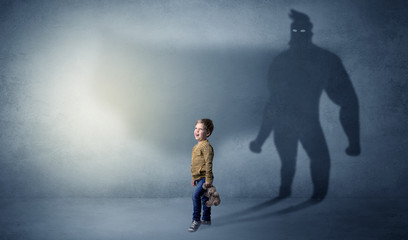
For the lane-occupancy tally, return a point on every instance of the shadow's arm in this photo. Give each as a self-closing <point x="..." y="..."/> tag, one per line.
<point x="268" y="119"/>
<point x="265" y="129"/>
<point x="341" y="91"/>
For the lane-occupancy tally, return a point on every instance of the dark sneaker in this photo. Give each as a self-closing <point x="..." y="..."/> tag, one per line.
<point x="194" y="226"/>
<point x="208" y="223"/>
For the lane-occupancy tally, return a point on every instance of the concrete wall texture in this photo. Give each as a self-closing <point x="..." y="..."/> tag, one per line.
<point x="99" y="98"/>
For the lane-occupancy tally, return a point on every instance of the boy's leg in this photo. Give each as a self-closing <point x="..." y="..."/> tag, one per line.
<point x="197" y="193"/>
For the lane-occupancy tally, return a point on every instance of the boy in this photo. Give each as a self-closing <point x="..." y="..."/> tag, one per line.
<point x="201" y="172"/>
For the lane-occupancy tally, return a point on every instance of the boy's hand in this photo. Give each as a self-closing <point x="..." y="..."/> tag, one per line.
<point x="207" y="185"/>
<point x="193" y="182"/>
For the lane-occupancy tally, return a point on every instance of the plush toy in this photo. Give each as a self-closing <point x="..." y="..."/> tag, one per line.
<point x="212" y="194"/>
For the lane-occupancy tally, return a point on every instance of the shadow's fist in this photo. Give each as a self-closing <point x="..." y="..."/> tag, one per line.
<point x="255" y="147"/>
<point x="353" y="150"/>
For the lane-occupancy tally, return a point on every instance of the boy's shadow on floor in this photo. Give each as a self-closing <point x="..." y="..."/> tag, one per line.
<point x="239" y="217"/>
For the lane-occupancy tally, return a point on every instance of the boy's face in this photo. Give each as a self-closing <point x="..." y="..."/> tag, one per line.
<point x="200" y="133"/>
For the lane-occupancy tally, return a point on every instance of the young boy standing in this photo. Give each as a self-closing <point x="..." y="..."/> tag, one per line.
<point x="201" y="172"/>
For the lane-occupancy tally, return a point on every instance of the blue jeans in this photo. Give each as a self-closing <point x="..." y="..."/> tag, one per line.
<point x="199" y="200"/>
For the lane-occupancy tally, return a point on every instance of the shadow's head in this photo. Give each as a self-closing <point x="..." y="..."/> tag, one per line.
<point x="300" y="29"/>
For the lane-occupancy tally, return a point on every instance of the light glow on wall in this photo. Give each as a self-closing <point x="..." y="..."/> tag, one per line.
<point x="102" y="96"/>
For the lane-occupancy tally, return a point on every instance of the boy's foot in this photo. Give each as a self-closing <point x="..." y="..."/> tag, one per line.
<point x="194" y="226"/>
<point x="208" y="223"/>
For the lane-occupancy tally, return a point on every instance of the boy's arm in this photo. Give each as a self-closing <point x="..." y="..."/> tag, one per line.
<point x="208" y="158"/>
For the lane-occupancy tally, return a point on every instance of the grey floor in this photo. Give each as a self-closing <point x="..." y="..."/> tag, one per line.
<point x="132" y="218"/>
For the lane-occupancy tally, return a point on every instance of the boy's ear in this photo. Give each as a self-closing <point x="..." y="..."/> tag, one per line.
<point x="208" y="134"/>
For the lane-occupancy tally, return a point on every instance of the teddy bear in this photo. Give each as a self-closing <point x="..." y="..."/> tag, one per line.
<point x="212" y="194"/>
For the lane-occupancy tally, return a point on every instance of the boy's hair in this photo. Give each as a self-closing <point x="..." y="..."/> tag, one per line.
<point x="208" y="124"/>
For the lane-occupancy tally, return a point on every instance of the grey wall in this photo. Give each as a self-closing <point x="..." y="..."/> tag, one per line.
<point x="99" y="98"/>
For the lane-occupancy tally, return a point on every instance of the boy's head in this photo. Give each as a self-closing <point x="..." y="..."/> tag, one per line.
<point x="203" y="129"/>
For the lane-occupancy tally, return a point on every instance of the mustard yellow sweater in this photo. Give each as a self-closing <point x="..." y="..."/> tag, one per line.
<point x="201" y="161"/>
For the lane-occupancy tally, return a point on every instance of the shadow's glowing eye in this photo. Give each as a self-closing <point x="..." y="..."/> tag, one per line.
<point x="302" y="30"/>
<point x="294" y="30"/>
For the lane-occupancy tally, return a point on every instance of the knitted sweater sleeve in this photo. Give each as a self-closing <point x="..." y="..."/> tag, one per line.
<point x="208" y="153"/>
